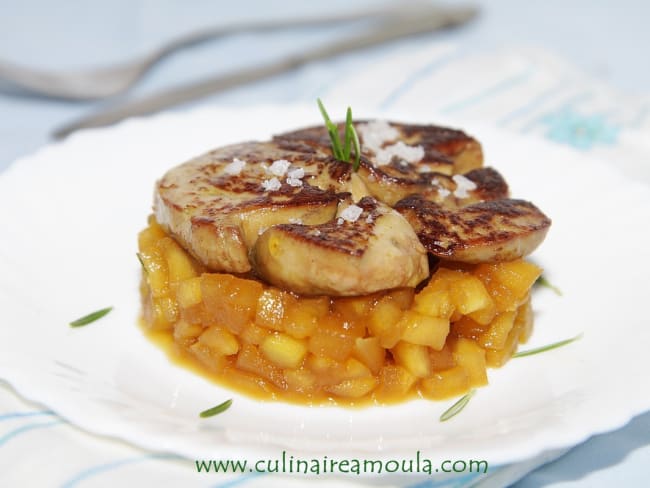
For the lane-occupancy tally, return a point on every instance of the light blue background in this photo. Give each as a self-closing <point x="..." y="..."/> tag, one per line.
<point x="609" y="40"/>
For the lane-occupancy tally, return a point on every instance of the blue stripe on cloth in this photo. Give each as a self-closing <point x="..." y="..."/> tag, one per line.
<point x="408" y="83"/>
<point x="532" y="104"/>
<point x="27" y="428"/>
<point x="104" y="468"/>
<point x="495" y="89"/>
<point x="17" y="415"/>
<point x="455" y="482"/>
<point x="238" y="481"/>
<point x="567" y="105"/>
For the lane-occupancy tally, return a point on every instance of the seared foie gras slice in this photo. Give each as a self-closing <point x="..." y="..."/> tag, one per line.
<point x="216" y="205"/>
<point x="443" y="150"/>
<point x="368" y="248"/>
<point x="394" y="182"/>
<point x="499" y="230"/>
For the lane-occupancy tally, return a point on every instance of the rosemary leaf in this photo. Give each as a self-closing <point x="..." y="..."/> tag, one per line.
<point x="337" y="150"/>
<point x="91" y="317"/>
<point x="222" y="407"/>
<point x="357" y="149"/>
<point x="332" y="130"/>
<point x="548" y="347"/>
<point x="348" y="134"/>
<point x="542" y="281"/>
<point x="457" y="407"/>
<point x="323" y="112"/>
<point x="144" y="268"/>
<point x="342" y="150"/>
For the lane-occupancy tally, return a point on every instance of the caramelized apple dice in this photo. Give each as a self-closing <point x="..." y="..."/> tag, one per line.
<point x="220" y="341"/>
<point x="424" y="330"/>
<point x="471" y="357"/>
<point x="414" y="358"/>
<point x="385" y="346"/>
<point x="283" y="350"/>
<point x="445" y="384"/>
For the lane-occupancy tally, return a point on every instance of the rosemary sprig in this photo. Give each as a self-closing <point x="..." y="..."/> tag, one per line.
<point x="542" y="281"/>
<point x="222" y="407"/>
<point x="457" y="407"/>
<point x="144" y="268"/>
<point x="548" y="347"/>
<point x="342" y="150"/>
<point x="91" y="317"/>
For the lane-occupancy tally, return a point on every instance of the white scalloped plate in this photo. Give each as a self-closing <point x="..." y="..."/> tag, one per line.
<point x="70" y="215"/>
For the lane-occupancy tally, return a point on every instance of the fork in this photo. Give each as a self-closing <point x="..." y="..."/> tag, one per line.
<point x="398" y="25"/>
<point x="106" y="82"/>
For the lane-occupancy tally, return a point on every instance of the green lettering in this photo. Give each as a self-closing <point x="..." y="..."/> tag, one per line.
<point x="372" y="464"/>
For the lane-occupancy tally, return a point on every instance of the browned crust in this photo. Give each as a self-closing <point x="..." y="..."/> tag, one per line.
<point x="503" y="229"/>
<point x="339" y="236"/>
<point x="446" y="150"/>
<point x="490" y="185"/>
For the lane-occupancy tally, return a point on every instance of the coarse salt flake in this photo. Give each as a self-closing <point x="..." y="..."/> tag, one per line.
<point x="293" y="220"/>
<point x="294" y="181"/>
<point x="351" y="213"/>
<point x="442" y="191"/>
<point x="463" y="185"/>
<point x="297" y="173"/>
<point x="235" y="167"/>
<point x="272" y="184"/>
<point x="376" y="133"/>
<point x="410" y="154"/>
<point x="279" y="167"/>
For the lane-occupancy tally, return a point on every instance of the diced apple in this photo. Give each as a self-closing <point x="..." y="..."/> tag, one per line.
<point x="468" y="328"/>
<point x="443" y="359"/>
<point x="353" y="388"/>
<point x="434" y="300"/>
<point x="207" y="357"/>
<point x="331" y="339"/>
<point x="369" y="351"/>
<point x="356" y="369"/>
<point x="283" y="350"/>
<point x="469" y="355"/>
<point x="301" y="317"/>
<point x="186" y="333"/>
<point x="301" y="380"/>
<point x="219" y="340"/>
<point x="249" y="359"/>
<point x="403" y="297"/>
<point x="394" y="382"/>
<point x="424" y="330"/>
<point x="188" y="292"/>
<point x="524" y="321"/>
<point x="230" y="301"/>
<point x="181" y="266"/>
<point x="254" y="334"/>
<point x="445" y="384"/>
<point x="496" y="335"/>
<point x="469" y="295"/>
<point x="270" y="309"/>
<point x="413" y="357"/>
<point x="383" y="322"/>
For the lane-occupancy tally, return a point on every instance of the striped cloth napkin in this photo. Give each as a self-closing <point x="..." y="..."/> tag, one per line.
<point x="523" y="90"/>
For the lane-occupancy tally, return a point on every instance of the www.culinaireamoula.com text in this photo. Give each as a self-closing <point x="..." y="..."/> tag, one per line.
<point x="289" y="464"/>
